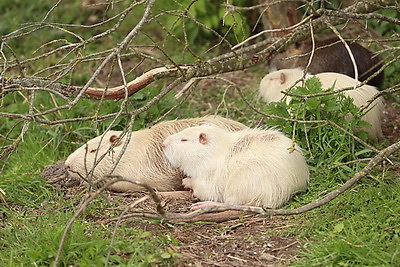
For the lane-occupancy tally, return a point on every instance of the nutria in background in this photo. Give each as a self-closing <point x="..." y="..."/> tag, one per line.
<point x="330" y="56"/>
<point x="272" y="85"/>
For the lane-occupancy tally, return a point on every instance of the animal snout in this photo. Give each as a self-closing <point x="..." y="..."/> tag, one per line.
<point x="68" y="167"/>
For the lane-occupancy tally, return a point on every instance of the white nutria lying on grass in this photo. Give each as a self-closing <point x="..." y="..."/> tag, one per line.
<point x="247" y="167"/>
<point x="272" y="85"/>
<point x="143" y="159"/>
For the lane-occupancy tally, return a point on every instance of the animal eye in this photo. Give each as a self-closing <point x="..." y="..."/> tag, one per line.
<point x="183" y="140"/>
<point x="93" y="150"/>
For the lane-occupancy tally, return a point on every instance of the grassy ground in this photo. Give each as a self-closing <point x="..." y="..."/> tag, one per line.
<point x="359" y="228"/>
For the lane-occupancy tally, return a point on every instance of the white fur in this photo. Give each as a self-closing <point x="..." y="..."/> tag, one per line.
<point x="250" y="166"/>
<point x="274" y="83"/>
<point x="143" y="159"/>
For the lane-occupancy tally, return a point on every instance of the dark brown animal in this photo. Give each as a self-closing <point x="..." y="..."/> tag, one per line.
<point x="330" y="56"/>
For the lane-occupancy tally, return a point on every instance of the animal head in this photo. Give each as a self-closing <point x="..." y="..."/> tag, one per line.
<point x="272" y="85"/>
<point x="194" y="145"/>
<point x="96" y="152"/>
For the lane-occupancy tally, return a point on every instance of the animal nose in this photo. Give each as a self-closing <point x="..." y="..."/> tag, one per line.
<point x="67" y="166"/>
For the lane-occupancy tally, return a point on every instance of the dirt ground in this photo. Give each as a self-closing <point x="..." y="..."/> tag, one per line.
<point x="247" y="241"/>
<point x="233" y="243"/>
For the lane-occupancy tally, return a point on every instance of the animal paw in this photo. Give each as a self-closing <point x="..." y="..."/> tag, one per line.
<point x="204" y="204"/>
<point x="187" y="183"/>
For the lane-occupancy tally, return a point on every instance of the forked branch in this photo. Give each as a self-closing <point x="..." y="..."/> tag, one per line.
<point x="236" y="60"/>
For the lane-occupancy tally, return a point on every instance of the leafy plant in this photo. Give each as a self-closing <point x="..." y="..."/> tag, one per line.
<point x="324" y="144"/>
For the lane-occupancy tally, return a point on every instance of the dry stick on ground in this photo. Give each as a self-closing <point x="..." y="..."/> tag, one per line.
<point x="136" y="202"/>
<point x="82" y="207"/>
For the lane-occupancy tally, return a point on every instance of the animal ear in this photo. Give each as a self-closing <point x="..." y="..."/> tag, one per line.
<point x="283" y="78"/>
<point x="113" y="139"/>
<point x="203" y="138"/>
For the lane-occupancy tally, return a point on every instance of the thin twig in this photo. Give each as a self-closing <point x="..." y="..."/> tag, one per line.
<point x="85" y="202"/>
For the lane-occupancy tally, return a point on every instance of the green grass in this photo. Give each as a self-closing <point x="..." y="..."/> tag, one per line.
<point x="36" y="215"/>
<point x="360" y="228"/>
<point x="33" y="237"/>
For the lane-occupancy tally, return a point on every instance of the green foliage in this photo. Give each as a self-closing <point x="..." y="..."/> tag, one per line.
<point x="205" y="20"/>
<point x="357" y="229"/>
<point x="323" y="144"/>
<point x="387" y="29"/>
<point x="18" y="13"/>
<point x="383" y="27"/>
<point x="391" y="77"/>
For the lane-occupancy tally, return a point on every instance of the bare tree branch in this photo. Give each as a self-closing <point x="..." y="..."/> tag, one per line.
<point x="233" y="62"/>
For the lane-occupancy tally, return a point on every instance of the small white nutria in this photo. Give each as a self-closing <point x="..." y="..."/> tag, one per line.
<point x="143" y="159"/>
<point x="248" y="167"/>
<point x="272" y="85"/>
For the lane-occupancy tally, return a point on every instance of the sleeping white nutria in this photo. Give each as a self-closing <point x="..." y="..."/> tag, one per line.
<point x="272" y="85"/>
<point x="247" y="167"/>
<point x="143" y="159"/>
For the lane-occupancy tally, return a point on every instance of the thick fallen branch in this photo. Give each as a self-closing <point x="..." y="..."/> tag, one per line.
<point x="134" y="86"/>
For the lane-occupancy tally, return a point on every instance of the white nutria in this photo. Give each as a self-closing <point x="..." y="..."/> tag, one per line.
<point x="272" y="85"/>
<point x="143" y="159"/>
<point x="247" y="167"/>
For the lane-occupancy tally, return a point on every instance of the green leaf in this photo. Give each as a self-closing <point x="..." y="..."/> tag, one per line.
<point x="145" y="235"/>
<point x="312" y="103"/>
<point x="338" y="228"/>
<point x="313" y="84"/>
<point x="165" y="255"/>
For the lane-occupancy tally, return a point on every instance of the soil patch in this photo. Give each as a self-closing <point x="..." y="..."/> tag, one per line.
<point x="247" y="241"/>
